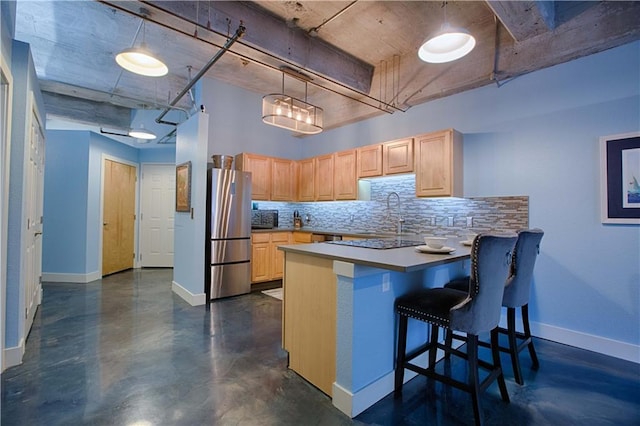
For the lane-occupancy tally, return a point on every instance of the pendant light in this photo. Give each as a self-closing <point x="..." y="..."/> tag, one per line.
<point x="142" y="133"/>
<point x="139" y="59"/>
<point x="448" y="44"/>
<point x="282" y="110"/>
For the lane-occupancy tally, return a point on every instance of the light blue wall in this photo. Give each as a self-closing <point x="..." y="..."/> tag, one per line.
<point x="65" y="202"/>
<point x="538" y="135"/>
<point x="189" y="236"/>
<point x="235" y="124"/>
<point x="158" y="155"/>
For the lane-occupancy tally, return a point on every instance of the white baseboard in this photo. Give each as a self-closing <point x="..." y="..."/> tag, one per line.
<point x="602" y="345"/>
<point x="13" y="356"/>
<point x="190" y="298"/>
<point x="353" y="404"/>
<point x="55" y="277"/>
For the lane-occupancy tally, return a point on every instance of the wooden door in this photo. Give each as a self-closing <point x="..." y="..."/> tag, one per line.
<point x="306" y="180"/>
<point x="157" y="197"/>
<point x="34" y="195"/>
<point x="439" y="164"/>
<point x="370" y="161"/>
<point x="119" y="194"/>
<point x="282" y="179"/>
<point x="398" y="156"/>
<point x="345" y="184"/>
<point x="324" y="177"/>
<point x="260" y="168"/>
<point x="260" y="259"/>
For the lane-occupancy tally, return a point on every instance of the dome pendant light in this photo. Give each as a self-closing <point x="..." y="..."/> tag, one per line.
<point x="142" y="133"/>
<point x="140" y="60"/>
<point x="447" y="45"/>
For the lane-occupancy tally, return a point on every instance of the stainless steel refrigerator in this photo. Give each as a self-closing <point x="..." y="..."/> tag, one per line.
<point x="228" y="245"/>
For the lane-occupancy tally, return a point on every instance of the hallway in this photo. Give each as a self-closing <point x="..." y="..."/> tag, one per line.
<point x="126" y="351"/>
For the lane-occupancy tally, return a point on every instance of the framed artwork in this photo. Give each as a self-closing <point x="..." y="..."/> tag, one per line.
<point x="183" y="187"/>
<point x="620" y="178"/>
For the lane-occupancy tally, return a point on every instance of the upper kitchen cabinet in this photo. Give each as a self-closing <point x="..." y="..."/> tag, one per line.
<point x="397" y="156"/>
<point x="260" y="168"/>
<point x="324" y="177"/>
<point x="369" y="161"/>
<point x="345" y="179"/>
<point x="282" y="179"/>
<point x="272" y="179"/>
<point x="306" y="179"/>
<point x="439" y="164"/>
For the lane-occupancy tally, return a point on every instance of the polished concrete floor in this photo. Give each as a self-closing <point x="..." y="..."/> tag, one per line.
<point x="126" y="351"/>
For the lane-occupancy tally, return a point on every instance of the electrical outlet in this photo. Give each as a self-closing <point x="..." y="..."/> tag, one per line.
<point x="469" y="222"/>
<point x="450" y="221"/>
<point x="386" y="282"/>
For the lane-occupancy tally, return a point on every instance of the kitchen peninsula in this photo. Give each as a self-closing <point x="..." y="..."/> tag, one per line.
<point x="339" y="325"/>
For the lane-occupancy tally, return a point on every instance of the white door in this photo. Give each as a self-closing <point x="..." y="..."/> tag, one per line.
<point x="158" y="189"/>
<point x="33" y="212"/>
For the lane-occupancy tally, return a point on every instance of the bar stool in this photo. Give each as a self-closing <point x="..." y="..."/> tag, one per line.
<point x="472" y="313"/>
<point x="516" y="295"/>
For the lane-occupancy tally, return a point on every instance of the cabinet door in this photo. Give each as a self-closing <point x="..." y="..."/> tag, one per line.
<point x="324" y="177"/>
<point x="260" y="260"/>
<point x="278" y="239"/>
<point x="260" y="168"/>
<point x="370" y="161"/>
<point x="306" y="180"/>
<point x="345" y="181"/>
<point x="397" y="156"/>
<point x="439" y="164"/>
<point x="282" y="179"/>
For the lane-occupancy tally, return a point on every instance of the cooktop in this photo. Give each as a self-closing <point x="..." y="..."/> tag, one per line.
<point x="377" y="243"/>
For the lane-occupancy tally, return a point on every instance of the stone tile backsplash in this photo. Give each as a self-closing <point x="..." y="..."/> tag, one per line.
<point x="429" y="216"/>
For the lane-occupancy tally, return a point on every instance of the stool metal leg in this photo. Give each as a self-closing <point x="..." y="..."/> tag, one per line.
<point x="527" y="333"/>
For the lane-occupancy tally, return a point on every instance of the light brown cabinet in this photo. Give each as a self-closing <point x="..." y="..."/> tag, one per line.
<point x="271" y="178"/>
<point x="370" y="161"/>
<point x="324" y="177"/>
<point x="301" y="237"/>
<point x="282" y="179"/>
<point x="345" y="180"/>
<point x="306" y="180"/>
<point x="439" y="164"/>
<point x="267" y="262"/>
<point x="260" y="168"/>
<point x="397" y="157"/>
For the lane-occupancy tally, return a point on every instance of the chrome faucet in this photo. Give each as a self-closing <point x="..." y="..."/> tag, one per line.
<point x="400" y="218"/>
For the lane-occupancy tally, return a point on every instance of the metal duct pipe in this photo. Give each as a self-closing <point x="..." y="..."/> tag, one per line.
<point x="239" y="32"/>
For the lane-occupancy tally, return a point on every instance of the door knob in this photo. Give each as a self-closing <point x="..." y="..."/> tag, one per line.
<point x="105" y="223"/>
<point x="38" y="233"/>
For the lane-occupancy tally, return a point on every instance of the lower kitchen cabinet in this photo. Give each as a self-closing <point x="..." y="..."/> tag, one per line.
<point x="267" y="262"/>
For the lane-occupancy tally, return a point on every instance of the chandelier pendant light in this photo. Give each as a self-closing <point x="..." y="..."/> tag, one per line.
<point x="448" y="44"/>
<point x="139" y="59"/>
<point x="287" y="112"/>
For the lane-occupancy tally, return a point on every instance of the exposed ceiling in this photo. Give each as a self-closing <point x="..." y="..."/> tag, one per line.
<point x="360" y="55"/>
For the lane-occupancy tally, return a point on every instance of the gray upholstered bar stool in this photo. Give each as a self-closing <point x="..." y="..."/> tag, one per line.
<point x="516" y="295"/>
<point x="473" y="312"/>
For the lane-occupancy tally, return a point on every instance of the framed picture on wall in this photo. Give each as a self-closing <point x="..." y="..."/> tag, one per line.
<point x="183" y="187"/>
<point x="620" y="178"/>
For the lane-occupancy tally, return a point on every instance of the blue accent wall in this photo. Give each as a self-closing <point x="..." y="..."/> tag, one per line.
<point x="538" y="135"/>
<point x="65" y="202"/>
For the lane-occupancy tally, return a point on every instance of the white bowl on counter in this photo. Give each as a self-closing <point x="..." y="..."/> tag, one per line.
<point x="435" y="242"/>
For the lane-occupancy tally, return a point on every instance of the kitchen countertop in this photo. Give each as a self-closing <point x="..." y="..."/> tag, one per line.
<point x="405" y="259"/>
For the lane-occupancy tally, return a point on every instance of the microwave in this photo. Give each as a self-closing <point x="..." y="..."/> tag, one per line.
<point x="264" y="219"/>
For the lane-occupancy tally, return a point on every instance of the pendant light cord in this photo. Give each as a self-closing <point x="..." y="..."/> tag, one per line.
<point x="133" y="42"/>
